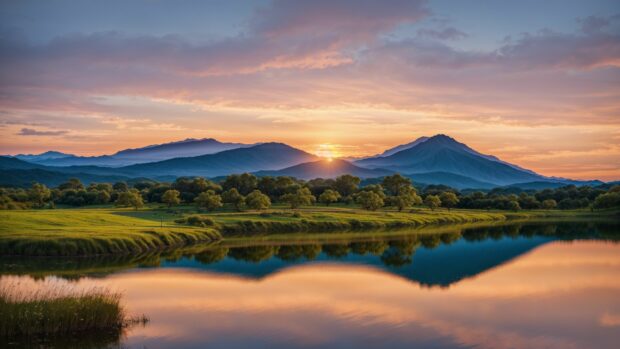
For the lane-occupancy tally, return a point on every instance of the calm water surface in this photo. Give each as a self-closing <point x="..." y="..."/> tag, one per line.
<point x="532" y="286"/>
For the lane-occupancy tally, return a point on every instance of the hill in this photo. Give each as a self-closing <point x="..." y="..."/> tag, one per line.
<point x="25" y="177"/>
<point x="325" y="169"/>
<point x="158" y="152"/>
<point x="267" y="156"/>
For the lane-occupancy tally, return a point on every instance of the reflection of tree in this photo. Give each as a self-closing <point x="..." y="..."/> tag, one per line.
<point x="496" y="233"/>
<point x="478" y="234"/>
<point x="212" y="255"/>
<point x="430" y="241"/>
<point x="373" y="247"/>
<point x="512" y="230"/>
<point x="336" y="250"/>
<point x="449" y="238"/>
<point x="400" y="252"/>
<point x="295" y="252"/>
<point x="253" y="254"/>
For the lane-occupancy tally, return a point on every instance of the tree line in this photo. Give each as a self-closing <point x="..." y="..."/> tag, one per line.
<point x="246" y="191"/>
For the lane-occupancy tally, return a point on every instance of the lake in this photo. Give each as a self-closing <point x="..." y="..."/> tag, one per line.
<point x="551" y="285"/>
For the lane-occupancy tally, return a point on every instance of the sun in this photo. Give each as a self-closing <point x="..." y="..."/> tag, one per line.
<point x="327" y="151"/>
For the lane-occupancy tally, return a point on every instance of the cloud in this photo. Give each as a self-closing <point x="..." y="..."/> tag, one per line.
<point x="443" y="34"/>
<point x="352" y="19"/>
<point x="596" y="24"/>
<point x="33" y="132"/>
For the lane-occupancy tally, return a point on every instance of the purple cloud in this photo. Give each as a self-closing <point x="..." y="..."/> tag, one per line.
<point x="33" y="132"/>
<point x="442" y="34"/>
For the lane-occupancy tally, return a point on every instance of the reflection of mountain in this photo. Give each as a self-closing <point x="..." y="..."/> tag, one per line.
<point x="441" y="266"/>
<point x="439" y="259"/>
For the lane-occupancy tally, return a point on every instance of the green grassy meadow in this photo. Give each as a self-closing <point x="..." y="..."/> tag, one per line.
<point x="109" y="230"/>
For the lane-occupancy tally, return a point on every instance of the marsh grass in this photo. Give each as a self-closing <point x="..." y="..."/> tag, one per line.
<point x="57" y="311"/>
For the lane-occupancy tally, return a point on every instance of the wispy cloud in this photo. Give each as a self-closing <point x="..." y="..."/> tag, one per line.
<point x="33" y="132"/>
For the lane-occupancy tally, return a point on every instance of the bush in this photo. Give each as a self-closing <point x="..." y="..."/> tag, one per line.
<point x="196" y="220"/>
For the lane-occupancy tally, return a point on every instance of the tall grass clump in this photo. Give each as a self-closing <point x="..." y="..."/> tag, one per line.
<point x="57" y="311"/>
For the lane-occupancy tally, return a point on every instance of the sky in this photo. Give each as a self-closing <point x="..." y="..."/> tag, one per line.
<point x="536" y="83"/>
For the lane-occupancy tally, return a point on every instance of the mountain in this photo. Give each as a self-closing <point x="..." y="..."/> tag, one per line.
<point x="158" y="152"/>
<point x="450" y="179"/>
<point x="325" y="169"/>
<point x="7" y="162"/>
<point x="25" y="177"/>
<point x="186" y="148"/>
<point x="48" y="155"/>
<point x="402" y="147"/>
<point x="266" y="156"/>
<point x="441" y="153"/>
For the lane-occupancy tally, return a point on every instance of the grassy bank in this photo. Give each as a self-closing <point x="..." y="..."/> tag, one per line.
<point x="90" y="232"/>
<point x="57" y="312"/>
<point x="107" y="230"/>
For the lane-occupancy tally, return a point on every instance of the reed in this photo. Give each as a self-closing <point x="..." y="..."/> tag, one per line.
<point x="58" y="311"/>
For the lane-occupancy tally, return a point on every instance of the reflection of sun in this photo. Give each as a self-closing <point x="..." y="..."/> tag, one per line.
<point x="327" y="151"/>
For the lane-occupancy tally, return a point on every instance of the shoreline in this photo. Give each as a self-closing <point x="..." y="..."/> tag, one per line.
<point x="136" y="234"/>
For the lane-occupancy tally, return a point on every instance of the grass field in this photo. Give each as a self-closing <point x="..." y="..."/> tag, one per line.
<point x="89" y="232"/>
<point x="107" y="230"/>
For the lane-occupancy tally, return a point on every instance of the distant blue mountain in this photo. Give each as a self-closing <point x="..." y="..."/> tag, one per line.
<point x="450" y="179"/>
<point x="429" y="160"/>
<point x="158" y="152"/>
<point x="266" y="156"/>
<point x="441" y="153"/>
<point x="48" y="155"/>
<point x="325" y="169"/>
<point x="402" y="147"/>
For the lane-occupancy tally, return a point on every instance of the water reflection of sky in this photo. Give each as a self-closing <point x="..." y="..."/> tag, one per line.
<point x="552" y="295"/>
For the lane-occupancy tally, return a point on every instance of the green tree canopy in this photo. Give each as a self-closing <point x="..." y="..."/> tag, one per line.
<point x="369" y="200"/>
<point x="328" y="196"/>
<point x="432" y="201"/>
<point x="257" y="200"/>
<point x="233" y="197"/>
<point x="171" y="197"/>
<point x="244" y="183"/>
<point x="448" y="199"/>
<point x="405" y="197"/>
<point x="549" y="204"/>
<point x="39" y="194"/>
<point x="302" y="196"/>
<point x="346" y="185"/>
<point x="208" y="200"/>
<point x="130" y="198"/>
<point x="394" y="183"/>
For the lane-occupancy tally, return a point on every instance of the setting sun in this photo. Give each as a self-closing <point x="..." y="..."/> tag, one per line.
<point x="327" y="151"/>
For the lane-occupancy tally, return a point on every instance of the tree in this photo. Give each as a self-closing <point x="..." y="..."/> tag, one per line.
<point x="432" y="201"/>
<point x="130" y="198"/>
<point x="233" y="197"/>
<point x="394" y="183"/>
<point x="549" y="204"/>
<point x="369" y="200"/>
<point x="120" y="186"/>
<point x="513" y="205"/>
<point x="448" y="199"/>
<point x="301" y="196"/>
<point x="607" y="200"/>
<point x="208" y="200"/>
<point x="39" y="194"/>
<point x="329" y="196"/>
<point x="257" y="200"/>
<point x="406" y="196"/>
<point x="244" y="183"/>
<point x="171" y="197"/>
<point x="346" y="184"/>
<point x="72" y="183"/>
